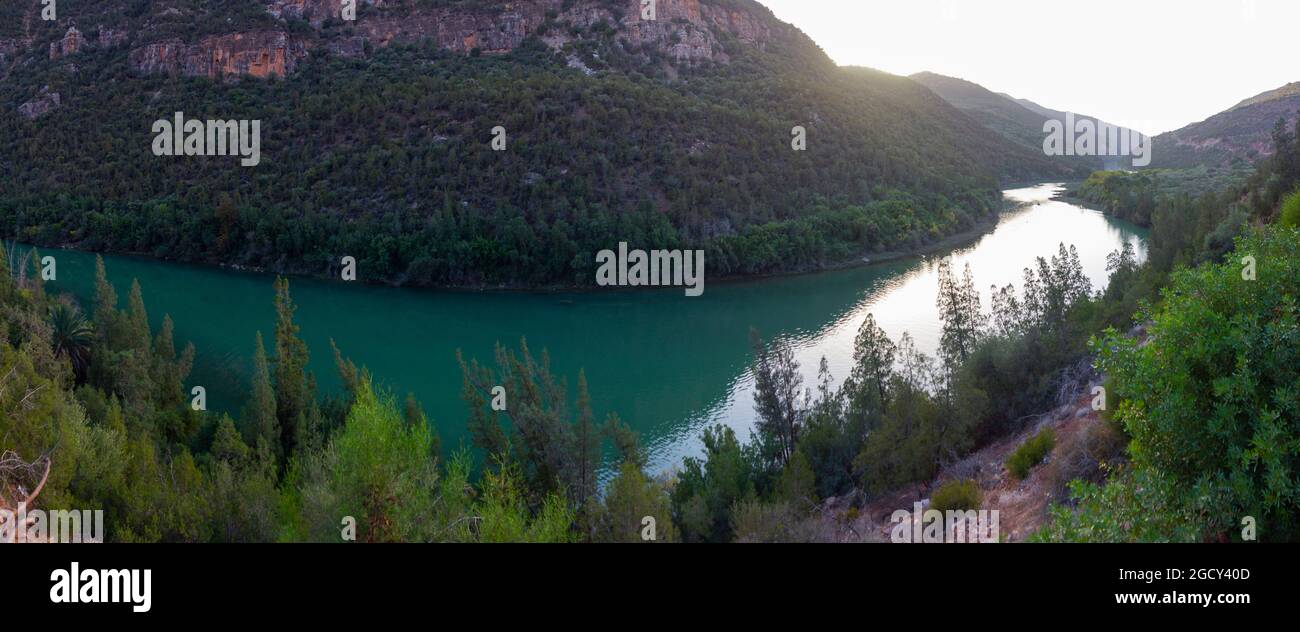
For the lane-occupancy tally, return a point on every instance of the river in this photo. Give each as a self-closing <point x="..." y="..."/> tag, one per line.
<point x="667" y="364"/>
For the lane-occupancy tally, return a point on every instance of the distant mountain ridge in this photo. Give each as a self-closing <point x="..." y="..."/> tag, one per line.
<point x="1240" y="134"/>
<point x="1285" y="92"/>
<point x="1019" y="120"/>
<point x="996" y="111"/>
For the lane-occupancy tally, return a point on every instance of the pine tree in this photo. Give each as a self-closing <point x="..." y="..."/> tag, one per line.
<point x="293" y="386"/>
<point x="959" y="311"/>
<point x="260" y="413"/>
<point x="166" y="374"/>
<point x="137" y="318"/>
<point x="484" y="423"/>
<point x="8" y="289"/>
<point x="1008" y="317"/>
<point x="411" y="411"/>
<point x="873" y="359"/>
<point x="414" y="415"/>
<point x="626" y="441"/>
<point x="105" y="296"/>
<point x="38" y="280"/>
<point x="586" y="446"/>
<point x="630" y="499"/>
<point x="777" y="391"/>
<point x="132" y="371"/>
<point x="114" y="419"/>
<point x="226" y="443"/>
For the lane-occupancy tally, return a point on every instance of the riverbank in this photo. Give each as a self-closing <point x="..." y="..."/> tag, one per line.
<point x="954" y="240"/>
<point x="950" y="241"/>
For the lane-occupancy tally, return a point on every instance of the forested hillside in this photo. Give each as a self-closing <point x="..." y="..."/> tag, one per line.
<point x="376" y="139"/>
<point x="1019" y="120"/>
<point x="1243" y="134"/>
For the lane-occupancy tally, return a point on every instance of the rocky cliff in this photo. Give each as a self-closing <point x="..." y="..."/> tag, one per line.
<point x="44" y="103"/>
<point x="686" y="31"/>
<point x="314" y="11"/>
<point x="258" y="54"/>
<point x="71" y="43"/>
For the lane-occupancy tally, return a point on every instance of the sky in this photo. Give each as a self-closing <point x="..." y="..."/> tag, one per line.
<point x="1150" y="65"/>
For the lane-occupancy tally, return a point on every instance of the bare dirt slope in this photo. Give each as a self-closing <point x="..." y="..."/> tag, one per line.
<point x="1084" y="443"/>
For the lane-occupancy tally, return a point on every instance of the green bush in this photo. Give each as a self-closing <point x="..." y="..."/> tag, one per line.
<point x="1031" y="453"/>
<point x="1213" y="400"/>
<point x="1135" y="505"/>
<point x="1291" y="211"/>
<point x="957" y="495"/>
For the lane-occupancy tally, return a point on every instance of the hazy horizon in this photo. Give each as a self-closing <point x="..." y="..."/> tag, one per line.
<point x="1146" y="65"/>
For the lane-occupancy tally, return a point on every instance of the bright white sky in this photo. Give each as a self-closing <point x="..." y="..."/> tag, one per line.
<point x="1151" y="65"/>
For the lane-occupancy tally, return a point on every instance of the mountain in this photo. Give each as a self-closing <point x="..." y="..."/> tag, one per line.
<point x="1241" y="134"/>
<point x="996" y="111"/>
<point x="377" y="138"/>
<point x="1019" y="120"/>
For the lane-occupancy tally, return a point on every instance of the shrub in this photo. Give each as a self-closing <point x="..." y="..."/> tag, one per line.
<point x="957" y="495"/>
<point x="1031" y="453"/>
<point x="1106" y="441"/>
<point x="1291" y="211"/>
<point x="1135" y="505"/>
<point x="1213" y="399"/>
<point x="1085" y="456"/>
<point x="757" y="521"/>
<point x="708" y="488"/>
<point x="1111" y="389"/>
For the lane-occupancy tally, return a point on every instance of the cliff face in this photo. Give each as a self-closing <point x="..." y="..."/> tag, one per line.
<point x="43" y="104"/>
<point x="687" y="31"/>
<point x="459" y="30"/>
<point x="314" y="11"/>
<point x="259" y="54"/>
<point x="72" y="42"/>
<point x="109" y="38"/>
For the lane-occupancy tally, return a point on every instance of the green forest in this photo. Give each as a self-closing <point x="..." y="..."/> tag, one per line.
<point x="102" y="397"/>
<point x="388" y="159"/>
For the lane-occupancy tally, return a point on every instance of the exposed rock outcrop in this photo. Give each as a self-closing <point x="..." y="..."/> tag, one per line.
<point x="687" y="31"/>
<point x="259" y="54"/>
<point x="43" y="104"/>
<point x="72" y="42"/>
<point x="682" y="29"/>
<point x="460" y="29"/>
<point x="109" y="38"/>
<point x="314" y="11"/>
